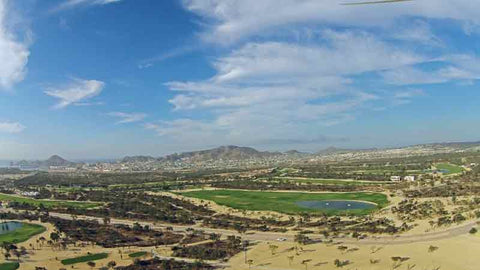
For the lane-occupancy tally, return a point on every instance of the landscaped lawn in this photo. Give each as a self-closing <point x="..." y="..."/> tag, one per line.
<point x="137" y="254"/>
<point x="22" y="234"/>
<point x="9" y="266"/>
<point x="286" y="202"/>
<point x="87" y="258"/>
<point x="342" y="182"/>
<point x="48" y="203"/>
<point x="451" y="168"/>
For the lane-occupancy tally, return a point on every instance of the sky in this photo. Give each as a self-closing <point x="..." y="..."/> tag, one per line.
<point x="109" y="78"/>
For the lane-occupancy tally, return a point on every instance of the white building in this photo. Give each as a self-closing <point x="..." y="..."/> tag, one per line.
<point x="395" y="178"/>
<point x="409" y="178"/>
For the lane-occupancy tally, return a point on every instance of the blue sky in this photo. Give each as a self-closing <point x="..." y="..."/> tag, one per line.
<point x="108" y="78"/>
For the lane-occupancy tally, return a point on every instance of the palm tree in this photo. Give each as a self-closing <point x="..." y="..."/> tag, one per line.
<point x="305" y="262"/>
<point x="250" y="263"/>
<point x="290" y="260"/>
<point x="111" y="264"/>
<point x="273" y="248"/>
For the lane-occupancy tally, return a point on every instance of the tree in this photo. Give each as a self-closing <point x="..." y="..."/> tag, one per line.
<point x="106" y="220"/>
<point x="305" y="262"/>
<point x="250" y="263"/>
<point x="273" y="248"/>
<point x="290" y="260"/>
<point x="112" y="264"/>
<point x="432" y="249"/>
<point x="17" y="254"/>
<point x="54" y="236"/>
<point x="91" y="264"/>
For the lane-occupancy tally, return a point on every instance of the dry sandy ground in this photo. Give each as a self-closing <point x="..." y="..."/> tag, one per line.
<point x="459" y="253"/>
<point x="49" y="258"/>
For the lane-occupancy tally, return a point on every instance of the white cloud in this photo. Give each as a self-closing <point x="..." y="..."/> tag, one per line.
<point x="11" y="127"/>
<point x="453" y="68"/>
<point x="419" y="32"/>
<point x="282" y="91"/>
<point x="229" y="21"/>
<point x="13" y="53"/>
<point x="128" y="117"/>
<point x="69" y="4"/>
<point x="77" y="91"/>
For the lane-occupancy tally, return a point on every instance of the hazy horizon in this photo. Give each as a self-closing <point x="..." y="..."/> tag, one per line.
<point x="105" y="79"/>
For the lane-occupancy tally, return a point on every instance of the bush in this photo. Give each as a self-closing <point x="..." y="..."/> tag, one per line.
<point x="473" y="230"/>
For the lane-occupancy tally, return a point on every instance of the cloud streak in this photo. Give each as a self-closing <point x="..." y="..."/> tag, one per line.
<point x="230" y="21"/>
<point x="71" y="4"/>
<point x="127" y="117"/>
<point x="11" y="127"/>
<point x="13" y="53"/>
<point x="77" y="91"/>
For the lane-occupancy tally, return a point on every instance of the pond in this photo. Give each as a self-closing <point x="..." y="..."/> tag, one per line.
<point x="336" y="205"/>
<point x="6" y="227"/>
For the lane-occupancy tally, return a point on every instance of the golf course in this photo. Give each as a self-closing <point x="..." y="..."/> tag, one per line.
<point x="289" y="202"/>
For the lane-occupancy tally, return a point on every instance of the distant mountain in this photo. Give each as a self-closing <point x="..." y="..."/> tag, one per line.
<point x="294" y="152"/>
<point x="134" y="159"/>
<point x="221" y="153"/>
<point x="54" y="160"/>
<point x="331" y="150"/>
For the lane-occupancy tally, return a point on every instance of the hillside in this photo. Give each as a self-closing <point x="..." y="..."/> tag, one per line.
<point x="221" y="153"/>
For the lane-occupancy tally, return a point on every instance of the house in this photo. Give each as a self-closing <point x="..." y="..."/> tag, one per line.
<point x="395" y="178"/>
<point x="409" y="178"/>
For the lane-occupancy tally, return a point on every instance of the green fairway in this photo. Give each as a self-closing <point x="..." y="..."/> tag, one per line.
<point x="137" y="254"/>
<point x="87" y="258"/>
<point x="48" y="203"/>
<point x="9" y="266"/>
<point x="286" y="202"/>
<point x="22" y="234"/>
<point x="451" y="168"/>
<point x="321" y="181"/>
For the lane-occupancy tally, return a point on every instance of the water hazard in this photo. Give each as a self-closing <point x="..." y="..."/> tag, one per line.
<point x="336" y="205"/>
<point x="6" y="227"/>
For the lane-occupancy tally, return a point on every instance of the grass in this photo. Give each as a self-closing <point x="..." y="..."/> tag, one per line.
<point x="9" y="266"/>
<point x="48" y="203"/>
<point x="451" y="168"/>
<point x="87" y="258"/>
<point x="22" y="234"/>
<point x="341" y="182"/>
<point x="137" y="254"/>
<point x="285" y="202"/>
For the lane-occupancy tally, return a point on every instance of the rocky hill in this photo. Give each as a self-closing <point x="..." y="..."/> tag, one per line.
<point x="221" y="153"/>
<point x="54" y="160"/>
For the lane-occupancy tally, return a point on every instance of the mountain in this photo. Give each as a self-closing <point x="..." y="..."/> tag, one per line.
<point x="54" y="160"/>
<point x="133" y="159"/>
<point x="220" y="153"/>
<point x="295" y="152"/>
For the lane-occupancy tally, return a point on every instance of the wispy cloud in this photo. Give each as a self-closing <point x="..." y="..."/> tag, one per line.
<point x="226" y="22"/>
<point x="77" y="91"/>
<point x="288" y="89"/>
<point x="128" y="117"/>
<point x="13" y="53"/>
<point x="11" y="127"/>
<point x="406" y="96"/>
<point x="70" y="4"/>
<point x="146" y="63"/>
